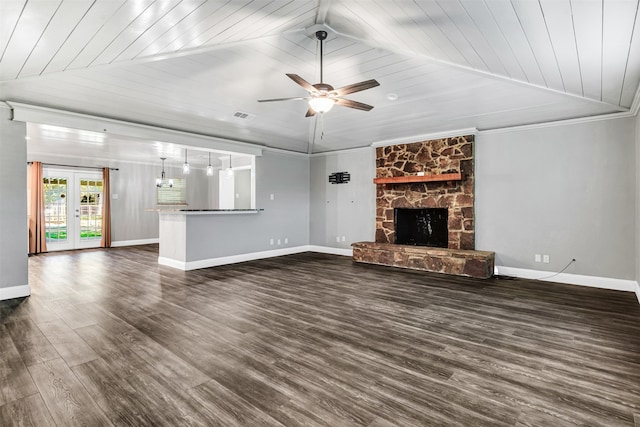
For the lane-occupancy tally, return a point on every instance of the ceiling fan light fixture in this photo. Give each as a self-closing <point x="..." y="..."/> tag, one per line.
<point x="321" y="104"/>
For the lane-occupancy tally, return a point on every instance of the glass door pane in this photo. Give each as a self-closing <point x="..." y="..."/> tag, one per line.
<point x="73" y="209"/>
<point x="90" y="209"/>
<point x="56" y="211"/>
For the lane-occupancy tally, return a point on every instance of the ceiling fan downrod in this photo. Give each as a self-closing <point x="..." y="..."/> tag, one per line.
<point x="322" y="36"/>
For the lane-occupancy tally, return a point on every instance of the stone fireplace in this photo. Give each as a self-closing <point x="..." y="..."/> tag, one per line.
<point x="434" y="157"/>
<point x="432" y="184"/>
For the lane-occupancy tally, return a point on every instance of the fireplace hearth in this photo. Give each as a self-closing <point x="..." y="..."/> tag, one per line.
<point x="422" y="227"/>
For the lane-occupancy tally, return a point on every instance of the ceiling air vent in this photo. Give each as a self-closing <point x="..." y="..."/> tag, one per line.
<point x="240" y="115"/>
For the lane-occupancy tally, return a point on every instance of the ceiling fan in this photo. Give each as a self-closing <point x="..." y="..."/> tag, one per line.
<point x="322" y="96"/>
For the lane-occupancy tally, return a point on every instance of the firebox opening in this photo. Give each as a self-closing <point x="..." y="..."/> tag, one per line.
<point x="422" y="227"/>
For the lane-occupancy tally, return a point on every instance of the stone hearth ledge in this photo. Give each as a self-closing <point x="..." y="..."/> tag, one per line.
<point x="459" y="262"/>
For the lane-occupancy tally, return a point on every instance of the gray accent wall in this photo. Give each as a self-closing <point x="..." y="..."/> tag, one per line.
<point x="339" y="210"/>
<point x="284" y="176"/>
<point x="568" y="191"/>
<point x="13" y="202"/>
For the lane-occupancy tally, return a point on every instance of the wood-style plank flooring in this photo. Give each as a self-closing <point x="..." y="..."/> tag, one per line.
<point x="108" y="337"/>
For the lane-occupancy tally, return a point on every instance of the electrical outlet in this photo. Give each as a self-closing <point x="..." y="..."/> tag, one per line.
<point x="338" y="239"/>
<point x="286" y="240"/>
<point x="538" y="258"/>
<point x="343" y="238"/>
<point x="271" y="241"/>
<point x="545" y="259"/>
<point x="272" y="197"/>
<point x="279" y="242"/>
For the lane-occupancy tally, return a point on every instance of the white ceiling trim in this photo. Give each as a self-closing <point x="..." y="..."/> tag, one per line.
<point x="92" y="162"/>
<point x="42" y="115"/>
<point x="425" y="137"/>
<point x="345" y="151"/>
<point x="282" y="151"/>
<point x="612" y="116"/>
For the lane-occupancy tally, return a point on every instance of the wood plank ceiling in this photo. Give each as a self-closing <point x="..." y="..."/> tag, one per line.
<point x="192" y="64"/>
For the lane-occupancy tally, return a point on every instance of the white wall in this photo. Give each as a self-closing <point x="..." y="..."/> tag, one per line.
<point x="13" y="207"/>
<point x="567" y="191"/>
<point x="343" y="209"/>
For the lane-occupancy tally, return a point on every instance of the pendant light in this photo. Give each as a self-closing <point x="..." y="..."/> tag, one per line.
<point x="160" y="182"/>
<point x="209" y="168"/>
<point x="185" y="166"/>
<point x="229" y="169"/>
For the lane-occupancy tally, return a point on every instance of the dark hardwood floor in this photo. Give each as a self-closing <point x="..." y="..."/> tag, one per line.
<point x="108" y="337"/>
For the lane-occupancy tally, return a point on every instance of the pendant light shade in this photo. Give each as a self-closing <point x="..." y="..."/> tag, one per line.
<point x="209" y="167"/>
<point x="229" y="169"/>
<point x="185" y="166"/>
<point x="162" y="182"/>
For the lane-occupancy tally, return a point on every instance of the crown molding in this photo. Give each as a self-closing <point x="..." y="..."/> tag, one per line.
<point x="345" y="151"/>
<point x="283" y="151"/>
<point x="44" y="115"/>
<point x="580" y="120"/>
<point x="425" y="137"/>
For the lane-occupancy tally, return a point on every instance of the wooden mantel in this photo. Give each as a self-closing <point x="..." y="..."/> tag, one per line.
<point x="457" y="176"/>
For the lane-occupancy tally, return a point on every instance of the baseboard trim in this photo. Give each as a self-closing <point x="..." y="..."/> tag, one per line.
<point x="234" y="259"/>
<point x="15" y="292"/>
<point x="170" y="262"/>
<point x="134" y="242"/>
<point x="330" y="250"/>
<point x="638" y="292"/>
<point x="571" y="279"/>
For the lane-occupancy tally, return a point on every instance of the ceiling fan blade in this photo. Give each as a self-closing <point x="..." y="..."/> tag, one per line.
<point x="284" y="99"/>
<point x="310" y="112"/>
<point x="353" y="104"/>
<point x="356" y="87"/>
<point x="302" y="82"/>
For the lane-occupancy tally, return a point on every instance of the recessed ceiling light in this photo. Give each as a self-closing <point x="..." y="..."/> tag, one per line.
<point x="392" y="96"/>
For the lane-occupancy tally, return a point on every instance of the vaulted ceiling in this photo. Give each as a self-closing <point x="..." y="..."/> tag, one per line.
<point x="442" y="65"/>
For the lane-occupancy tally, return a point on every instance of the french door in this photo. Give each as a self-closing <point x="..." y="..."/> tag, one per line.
<point x="73" y="209"/>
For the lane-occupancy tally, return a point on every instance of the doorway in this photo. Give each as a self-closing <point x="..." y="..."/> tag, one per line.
<point x="73" y="209"/>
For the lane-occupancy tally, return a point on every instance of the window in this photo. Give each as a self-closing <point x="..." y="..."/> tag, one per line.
<point x="55" y="210"/>
<point x="174" y="195"/>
